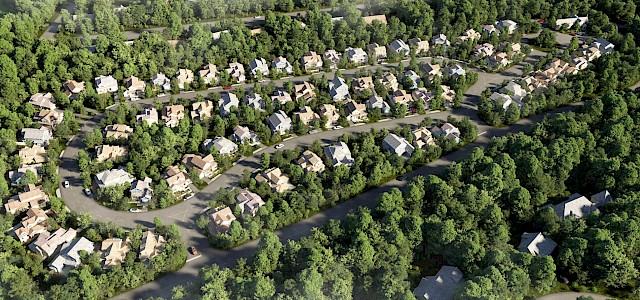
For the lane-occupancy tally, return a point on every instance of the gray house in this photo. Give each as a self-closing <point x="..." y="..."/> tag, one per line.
<point x="536" y="244"/>
<point x="397" y="145"/>
<point x="279" y="122"/>
<point x="338" y="89"/>
<point x="442" y="286"/>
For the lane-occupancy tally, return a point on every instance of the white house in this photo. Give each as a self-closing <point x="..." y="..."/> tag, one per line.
<point x="338" y="89"/>
<point x="279" y="122"/>
<point x="113" y="177"/>
<point x="397" y="145"/>
<point x="339" y="154"/>
<point x="106" y="84"/>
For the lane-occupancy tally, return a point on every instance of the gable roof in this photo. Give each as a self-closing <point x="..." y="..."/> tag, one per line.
<point x="536" y="244"/>
<point x="442" y="286"/>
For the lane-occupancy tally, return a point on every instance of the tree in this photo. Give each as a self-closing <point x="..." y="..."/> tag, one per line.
<point x="546" y="39"/>
<point x="265" y="160"/>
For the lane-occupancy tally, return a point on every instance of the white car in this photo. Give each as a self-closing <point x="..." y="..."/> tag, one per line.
<point x="135" y="210"/>
<point x="65" y="184"/>
<point x="279" y="146"/>
<point x="337" y="127"/>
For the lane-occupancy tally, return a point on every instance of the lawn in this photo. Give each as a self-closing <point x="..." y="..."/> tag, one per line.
<point x="7" y="6"/>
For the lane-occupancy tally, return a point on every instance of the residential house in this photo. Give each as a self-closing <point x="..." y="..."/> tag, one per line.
<point x="379" y="18"/>
<point x="205" y="166"/>
<point x="389" y="81"/>
<point x="339" y="154"/>
<point x="484" y="50"/>
<point x="249" y="203"/>
<point x="226" y="102"/>
<point x="448" y="95"/>
<point x="69" y="257"/>
<point x="576" y="206"/>
<point x="357" y="55"/>
<point x="236" y="71"/>
<point x="279" y="122"/>
<point x="338" y="89"/>
<point x="442" y="286"/>
<point x="201" y="110"/>
<point x="502" y="100"/>
<point x="72" y="88"/>
<point x="113" y="177"/>
<point x="134" y="87"/>
<point x="177" y="180"/>
<point x="590" y="52"/>
<point x="377" y="102"/>
<point x="490" y="29"/>
<point x="455" y="71"/>
<point x="355" y="112"/>
<point x="432" y="70"/>
<point x="18" y="175"/>
<point x="184" y="76"/>
<point x="172" y="114"/>
<point x="400" y="97"/>
<point x="440" y="39"/>
<point x="579" y="62"/>
<point x="33" y="155"/>
<point x="259" y="65"/>
<point x="506" y="26"/>
<point x="397" y="145"/>
<point x="498" y="60"/>
<point x="422" y="138"/>
<point x="305" y="91"/>
<point x="400" y="47"/>
<point x="331" y="112"/>
<point x="151" y="245"/>
<point x="110" y="153"/>
<point x="377" y="51"/>
<point x="32" y="224"/>
<point x="141" y="190"/>
<point x="43" y="101"/>
<point x="447" y="130"/>
<point x="282" y="65"/>
<point x="421" y="46"/>
<point x="515" y="90"/>
<point x="469" y="35"/>
<point x="118" y="131"/>
<point x="254" y="101"/>
<point x="224" y="146"/>
<point x="32" y="197"/>
<point x="536" y="244"/>
<point x="161" y="80"/>
<point x="281" y="97"/>
<point x="220" y="221"/>
<point x="46" y="244"/>
<point x="311" y="62"/>
<point x="307" y="116"/>
<point x="601" y="198"/>
<point x="40" y="137"/>
<point x="311" y="162"/>
<point x="106" y="84"/>
<point x="242" y="134"/>
<point x="49" y="118"/>
<point x="114" y="251"/>
<point x="276" y="180"/>
<point x="569" y="22"/>
<point x="333" y="57"/>
<point x="149" y="116"/>
<point x="422" y="94"/>
<point x="362" y="84"/>
<point x="411" y="79"/>
<point x="209" y="74"/>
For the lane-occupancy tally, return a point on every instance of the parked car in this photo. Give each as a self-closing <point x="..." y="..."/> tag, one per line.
<point x="337" y="127"/>
<point x="135" y="210"/>
<point x="193" y="250"/>
<point x="65" y="184"/>
<point x="279" y="146"/>
<point x="227" y="88"/>
<point x="401" y="177"/>
<point x="88" y="192"/>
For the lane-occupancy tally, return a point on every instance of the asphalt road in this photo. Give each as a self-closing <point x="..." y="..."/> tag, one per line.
<point x="572" y="296"/>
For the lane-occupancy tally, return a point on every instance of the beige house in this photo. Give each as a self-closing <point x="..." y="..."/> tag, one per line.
<point x="311" y="62"/>
<point x="306" y="115"/>
<point x="498" y="60"/>
<point x="49" y="118"/>
<point x="362" y="84"/>
<point x="236" y="70"/>
<point x="356" y="112"/>
<point x="281" y="97"/>
<point x="203" y="166"/>
<point x="32" y="224"/>
<point x="449" y="95"/>
<point x="177" y="180"/>
<point x="172" y="114"/>
<point x="32" y="197"/>
<point x="331" y="112"/>
<point x="420" y="45"/>
<point x="389" y="81"/>
<point x="134" y="87"/>
<point x="48" y="243"/>
<point x="33" y="155"/>
<point x="118" y="131"/>
<point x="311" y="162"/>
<point x="274" y="177"/>
<point x="422" y="138"/>
<point x="400" y="97"/>
<point x="432" y="70"/>
<point x="43" y="101"/>
<point x="209" y="74"/>
<point x="114" y="251"/>
<point x="184" y="76"/>
<point x="305" y="90"/>
<point x="469" y="35"/>
<point x="201" y="110"/>
<point x="380" y="18"/>
<point x="149" y="115"/>
<point x="380" y="52"/>
<point x="249" y="203"/>
<point x="72" y="88"/>
<point x="221" y="221"/>
<point x="151" y="245"/>
<point x="108" y="152"/>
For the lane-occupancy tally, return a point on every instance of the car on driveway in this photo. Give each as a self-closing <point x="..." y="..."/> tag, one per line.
<point x="193" y="250"/>
<point x="135" y="210"/>
<point x="88" y="192"/>
<point x="65" y="184"/>
<point x="279" y="146"/>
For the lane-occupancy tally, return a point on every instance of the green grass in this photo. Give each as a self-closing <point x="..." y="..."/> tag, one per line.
<point x="7" y="6"/>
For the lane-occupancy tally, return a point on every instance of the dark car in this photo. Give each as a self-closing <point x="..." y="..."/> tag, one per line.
<point x="401" y="177"/>
<point x="193" y="250"/>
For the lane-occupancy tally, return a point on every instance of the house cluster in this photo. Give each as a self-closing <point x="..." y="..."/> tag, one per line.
<point x="421" y="139"/>
<point x="32" y="154"/>
<point x="497" y="57"/>
<point x="249" y="204"/>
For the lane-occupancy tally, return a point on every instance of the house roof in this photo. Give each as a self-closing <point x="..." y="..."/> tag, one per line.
<point x="33" y="155"/>
<point x="43" y="100"/>
<point x="113" y="177"/>
<point x="576" y="206"/>
<point x="70" y="254"/>
<point x="442" y="286"/>
<point x="601" y="198"/>
<point x="339" y="154"/>
<point x="536" y="244"/>
<point x="380" y="18"/>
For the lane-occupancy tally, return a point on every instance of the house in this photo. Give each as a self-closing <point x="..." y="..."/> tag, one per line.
<point x="276" y="180"/>
<point x="312" y="62"/>
<point x="249" y="203"/>
<point x="220" y="221"/>
<point x="389" y="81"/>
<point x="311" y="162"/>
<point x="201" y="110"/>
<point x="177" y="179"/>
<point x="49" y="118"/>
<point x="380" y="18"/>
<point x="222" y="144"/>
<point x="440" y="39"/>
<point x="259" y="65"/>
<point x="411" y="79"/>
<point x="576" y="206"/>
<point x="506" y="26"/>
<point x="254" y="101"/>
<point x="151" y="245"/>
<point x="400" y="47"/>
<point x="209" y="74"/>
<point x="242" y="134"/>
<point x="339" y="154"/>
<point x="422" y="94"/>
<point x="114" y="251"/>
<point x="397" y="145"/>
<point x="469" y="35"/>
<point x="447" y="130"/>
<point x="48" y="243"/>
<point x="134" y="87"/>
<point x="331" y="112"/>
<point x="113" y="177"/>
<point x="72" y="88"/>
<point x="172" y="114"/>
<point x="362" y="84"/>
<point x="40" y="137"/>
<point x="202" y="166"/>
<point x="377" y="101"/>
<point x="490" y="29"/>
<point x="69" y="257"/>
<point x="338" y="89"/>
<point x="515" y="48"/>
<point x="18" y="175"/>
<point x="590" y="52"/>
<point x="32" y="224"/>
<point x="601" y="198"/>
<point x="305" y="91"/>
<point x="279" y="122"/>
<point x="43" y="101"/>
<point x="149" y="116"/>
<point x="356" y="112"/>
<point x="448" y="95"/>
<point x="569" y="22"/>
<point x="400" y="97"/>
<point x="281" y="97"/>
<point x="32" y="197"/>
<point x="442" y="286"/>
<point x="236" y="71"/>
<point x="515" y="90"/>
<point x="377" y="51"/>
<point x="333" y="57"/>
<point x="498" y="60"/>
<point x="33" y="155"/>
<point x="502" y="100"/>
<point x="110" y="153"/>
<point x="422" y="138"/>
<point x="141" y="190"/>
<point x="282" y="65"/>
<point x="357" y="55"/>
<point x="482" y="51"/>
<point x="307" y="116"/>
<point x="604" y="46"/>
<point x="161" y="80"/>
<point x="432" y="70"/>
<point x="106" y="84"/>
<point x="226" y="102"/>
<point x="184" y="76"/>
<point x="536" y="244"/>
<point x="421" y="46"/>
<point x="579" y="62"/>
<point x="455" y="71"/>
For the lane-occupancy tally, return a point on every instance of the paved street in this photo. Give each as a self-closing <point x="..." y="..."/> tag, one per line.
<point x="572" y="296"/>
